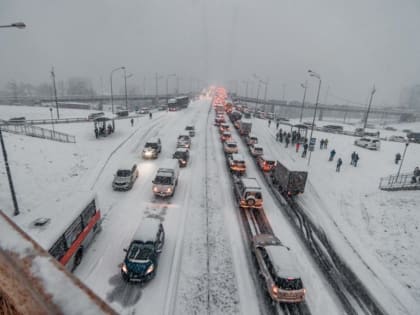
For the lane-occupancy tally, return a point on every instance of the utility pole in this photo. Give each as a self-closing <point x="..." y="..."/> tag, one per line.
<point x="9" y="175"/>
<point x="368" y="109"/>
<point x="305" y="86"/>
<point x="157" y="87"/>
<point x="125" y="88"/>
<point x="55" y="92"/>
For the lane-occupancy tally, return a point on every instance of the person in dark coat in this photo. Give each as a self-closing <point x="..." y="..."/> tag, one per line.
<point x="326" y="143"/>
<point x="150" y="115"/>
<point x="269" y="123"/>
<point x="339" y="163"/>
<point x="356" y="159"/>
<point x="353" y="156"/>
<point x="397" y="158"/>
<point x="287" y="141"/>
<point x="277" y="125"/>
<point x="96" y="132"/>
<point x="321" y="144"/>
<point x="305" y="149"/>
<point x="332" y="154"/>
<point x="132" y="122"/>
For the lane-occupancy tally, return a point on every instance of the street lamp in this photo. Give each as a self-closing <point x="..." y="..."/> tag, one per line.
<point x="402" y="160"/>
<point x="112" y="93"/>
<point x="316" y="75"/>
<point x="157" y="78"/>
<point x="167" y="84"/>
<point x="305" y="86"/>
<point x="125" y="86"/>
<point x="368" y="109"/>
<point x="246" y="87"/>
<point x="19" y="25"/>
<point x="52" y="121"/>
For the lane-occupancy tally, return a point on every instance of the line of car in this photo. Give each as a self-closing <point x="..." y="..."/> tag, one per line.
<point x="142" y="255"/>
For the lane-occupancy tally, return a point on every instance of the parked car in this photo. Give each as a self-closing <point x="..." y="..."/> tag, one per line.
<point x="251" y="140"/>
<point x="152" y="148"/>
<point x="390" y="128"/>
<point x="397" y="138"/>
<point x="230" y="147"/>
<point x="125" y="177"/>
<point x="368" y="143"/>
<point x="182" y="155"/>
<point x="144" y="110"/>
<point x="141" y="261"/>
<point x="183" y="141"/>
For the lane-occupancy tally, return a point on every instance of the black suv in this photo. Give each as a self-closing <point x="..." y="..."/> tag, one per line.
<point x="142" y="256"/>
<point x="183" y="156"/>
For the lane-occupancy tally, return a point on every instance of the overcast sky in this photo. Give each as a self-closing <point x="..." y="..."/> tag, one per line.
<point x="351" y="44"/>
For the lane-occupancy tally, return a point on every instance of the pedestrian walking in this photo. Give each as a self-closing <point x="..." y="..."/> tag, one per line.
<point x="132" y="122"/>
<point x="353" y="156"/>
<point x="96" y="132"/>
<point x="287" y="141"/>
<point x="269" y="123"/>
<point x="297" y="146"/>
<point x="356" y="159"/>
<point x="321" y="144"/>
<point x="332" y="154"/>
<point x="397" y="158"/>
<point x="150" y="115"/>
<point x="325" y="143"/>
<point x="277" y="125"/>
<point x="339" y="163"/>
<point x="305" y="150"/>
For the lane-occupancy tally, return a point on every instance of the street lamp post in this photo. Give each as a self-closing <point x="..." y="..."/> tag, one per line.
<point x="52" y="121"/>
<point x="246" y="87"/>
<point x="316" y="75"/>
<point x="368" y="109"/>
<point x="305" y="86"/>
<point x="167" y="84"/>
<point x="112" y="93"/>
<point x="402" y="161"/>
<point x="125" y="86"/>
<point x="19" y="25"/>
<point x="157" y="77"/>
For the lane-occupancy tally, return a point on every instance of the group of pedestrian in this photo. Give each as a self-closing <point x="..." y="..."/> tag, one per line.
<point x="323" y="144"/>
<point x="354" y="159"/>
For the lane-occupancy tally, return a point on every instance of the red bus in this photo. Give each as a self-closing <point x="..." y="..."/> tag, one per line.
<point x="67" y="231"/>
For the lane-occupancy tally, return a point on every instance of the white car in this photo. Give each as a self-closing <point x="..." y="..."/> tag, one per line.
<point x="397" y="138"/>
<point x="368" y="143"/>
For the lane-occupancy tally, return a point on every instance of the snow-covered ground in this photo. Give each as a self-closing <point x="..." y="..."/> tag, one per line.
<point x="204" y="263"/>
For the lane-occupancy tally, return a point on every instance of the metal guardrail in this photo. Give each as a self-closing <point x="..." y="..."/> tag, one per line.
<point x="38" y="132"/>
<point x="401" y="182"/>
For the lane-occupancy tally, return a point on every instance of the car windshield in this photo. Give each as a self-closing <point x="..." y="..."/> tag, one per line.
<point x="151" y="145"/>
<point x="140" y="251"/>
<point x="231" y="145"/>
<point x="163" y="180"/>
<point x="179" y="155"/>
<point x="123" y="173"/>
<point x="289" y="283"/>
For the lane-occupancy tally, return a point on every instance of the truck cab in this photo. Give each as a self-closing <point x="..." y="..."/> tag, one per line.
<point x="248" y="192"/>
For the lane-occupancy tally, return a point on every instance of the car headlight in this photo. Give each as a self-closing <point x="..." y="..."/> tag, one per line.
<point x="169" y="189"/>
<point x="275" y="289"/>
<point x="155" y="189"/>
<point x="124" y="268"/>
<point x="150" y="269"/>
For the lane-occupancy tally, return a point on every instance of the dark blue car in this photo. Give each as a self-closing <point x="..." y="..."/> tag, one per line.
<point x="142" y="256"/>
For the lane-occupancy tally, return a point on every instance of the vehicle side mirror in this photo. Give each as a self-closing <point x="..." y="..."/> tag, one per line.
<point x="125" y="249"/>
<point x="153" y="182"/>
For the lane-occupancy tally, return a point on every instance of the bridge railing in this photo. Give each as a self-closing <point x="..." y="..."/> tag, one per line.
<point x="39" y="132"/>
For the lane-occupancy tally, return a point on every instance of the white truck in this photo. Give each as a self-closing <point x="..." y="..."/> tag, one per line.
<point x="245" y="126"/>
<point x="166" y="178"/>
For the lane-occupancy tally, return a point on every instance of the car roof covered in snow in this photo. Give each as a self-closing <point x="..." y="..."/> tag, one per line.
<point x="147" y="230"/>
<point x="250" y="183"/>
<point x="283" y="260"/>
<point x="238" y="157"/>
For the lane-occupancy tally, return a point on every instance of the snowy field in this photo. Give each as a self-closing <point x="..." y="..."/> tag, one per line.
<point x="204" y="265"/>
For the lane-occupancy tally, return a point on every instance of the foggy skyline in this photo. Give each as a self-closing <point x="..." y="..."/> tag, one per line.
<point x="352" y="45"/>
